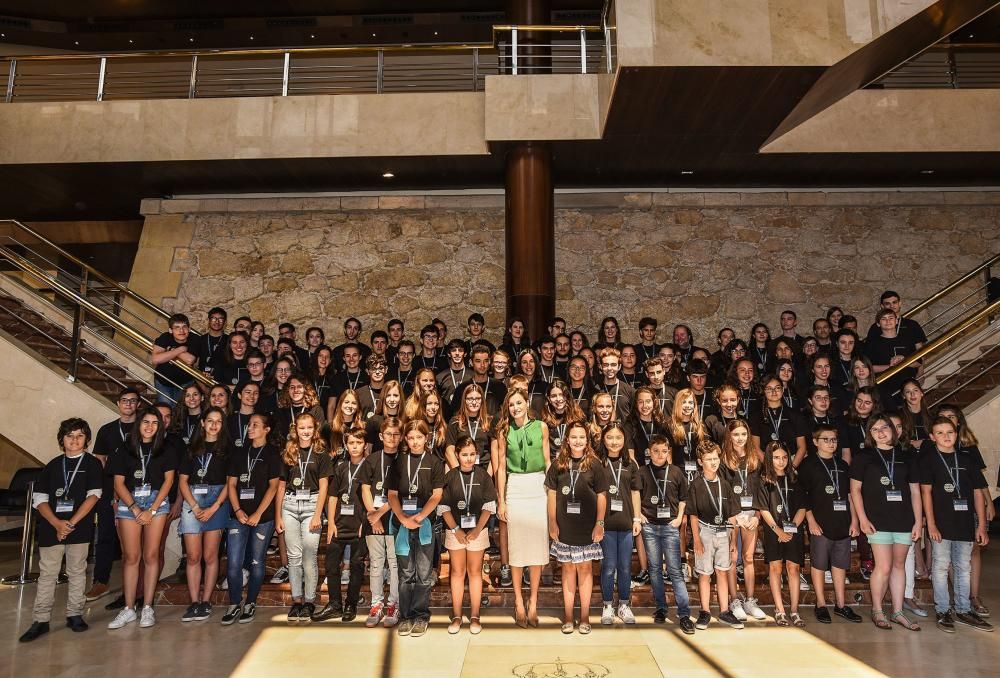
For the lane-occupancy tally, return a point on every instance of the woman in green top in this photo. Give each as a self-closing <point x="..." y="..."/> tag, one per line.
<point x="521" y="446"/>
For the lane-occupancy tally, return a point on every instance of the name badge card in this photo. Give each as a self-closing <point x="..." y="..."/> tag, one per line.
<point x="839" y="504"/>
<point x="790" y="528"/>
<point x="143" y="491"/>
<point x="199" y="490"/>
<point x="961" y="504"/>
<point x="247" y="493"/>
<point x="894" y="495"/>
<point x="410" y="505"/>
<point x="303" y="493"/>
<point x="468" y="522"/>
<point x="347" y="509"/>
<point x="64" y="505"/>
<point x="378" y="501"/>
<point x="573" y="508"/>
<point x="662" y="512"/>
<point x="746" y="502"/>
<point x="690" y="466"/>
<point x="617" y="505"/>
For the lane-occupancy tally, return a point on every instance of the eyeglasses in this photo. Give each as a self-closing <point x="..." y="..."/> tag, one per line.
<point x="255" y="363"/>
<point x="217" y="317"/>
<point x="391" y="434"/>
<point x="405" y="353"/>
<point x="576" y="368"/>
<point x="129" y="401"/>
<point x="827" y="440"/>
<point x="284" y="370"/>
<point x="773" y="389"/>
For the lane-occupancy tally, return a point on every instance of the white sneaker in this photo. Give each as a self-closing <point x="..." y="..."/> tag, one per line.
<point x="608" y="615"/>
<point x="345" y="576"/>
<point x="687" y="572"/>
<point x="828" y="577"/>
<point x="125" y="617"/>
<point x="148" y="617"/>
<point x="280" y="575"/>
<point x="803" y="583"/>
<point x="625" y="613"/>
<point x="736" y="607"/>
<point x="246" y="577"/>
<point x="752" y="609"/>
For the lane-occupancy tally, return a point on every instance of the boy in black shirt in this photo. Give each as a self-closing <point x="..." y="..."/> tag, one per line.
<point x="713" y="507"/>
<point x="170" y="380"/>
<point x="951" y="486"/>
<point x="65" y="495"/>
<point x="662" y="499"/>
<point x="825" y="480"/>
<point x="345" y="509"/>
<point x="374" y="478"/>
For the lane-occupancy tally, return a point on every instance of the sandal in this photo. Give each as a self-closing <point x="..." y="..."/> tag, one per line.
<point x="979" y="608"/>
<point x="903" y="620"/>
<point x="567" y="628"/>
<point x="455" y="626"/>
<point x="584" y="629"/>
<point x="797" y="620"/>
<point x="781" y="619"/>
<point x="474" y="626"/>
<point x="878" y="618"/>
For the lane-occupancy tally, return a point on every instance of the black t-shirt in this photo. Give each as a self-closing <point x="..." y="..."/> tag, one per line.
<point x="209" y="350"/>
<point x="231" y="373"/>
<point x="85" y="477"/>
<point x="254" y="468"/>
<point x="323" y="385"/>
<point x="642" y="431"/>
<point x="316" y="465"/>
<point x="951" y="487"/>
<point x="707" y="507"/>
<point x="622" y="394"/>
<point x="745" y="484"/>
<point x="449" y="382"/>
<point x="237" y="424"/>
<point x="377" y="472"/>
<point x="881" y="350"/>
<point x="494" y="390"/>
<point x="908" y="328"/>
<point x="871" y="468"/>
<point x="481" y="437"/>
<point x="480" y="490"/>
<point x="786" y="422"/>
<point x="715" y="427"/>
<point x="576" y="529"/>
<point x="705" y="403"/>
<point x="109" y="442"/>
<point x="346" y="482"/>
<point x="405" y="378"/>
<point x="582" y="397"/>
<point x="852" y="435"/>
<point x="347" y="380"/>
<point x="128" y="465"/>
<point x="813" y="422"/>
<point x="825" y="483"/>
<point x="417" y="476"/>
<point x="214" y="463"/>
<point x="368" y="399"/>
<point x="166" y="370"/>
<point x="623" y="479"/>
<point x="748" y="402"/>
<point x="782" y="499"/>
<point x="684" y="453"/>
<point x="661" y="486"/>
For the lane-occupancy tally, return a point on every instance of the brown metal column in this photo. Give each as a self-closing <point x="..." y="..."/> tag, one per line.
<point x="530" y="214"/>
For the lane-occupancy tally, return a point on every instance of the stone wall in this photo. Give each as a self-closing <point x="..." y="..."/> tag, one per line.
<point x="708" y="259"/>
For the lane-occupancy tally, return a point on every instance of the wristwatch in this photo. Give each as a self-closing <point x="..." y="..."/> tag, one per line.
<point x="601" y="523"/>
<point x="453" y="530"/>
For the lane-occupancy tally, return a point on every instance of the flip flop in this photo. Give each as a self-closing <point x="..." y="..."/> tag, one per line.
<point x="903" y="620"/>
<point x="878" y="618"/>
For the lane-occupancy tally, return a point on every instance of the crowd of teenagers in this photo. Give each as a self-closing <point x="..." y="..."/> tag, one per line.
<point x="538" y="452"/>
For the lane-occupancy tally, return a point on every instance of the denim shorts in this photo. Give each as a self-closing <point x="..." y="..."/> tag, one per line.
<point x="123" y="513"/>
<point x="890" y="538"/>
<point x="715" y="541"/>
<point x="191" y="525"/>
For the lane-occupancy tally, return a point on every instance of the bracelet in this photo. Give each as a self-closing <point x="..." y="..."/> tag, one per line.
<point x="129" y="507"/>
<point x="637" y="520"/>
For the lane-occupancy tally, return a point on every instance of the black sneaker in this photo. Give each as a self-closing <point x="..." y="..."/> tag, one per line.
<point x="116" y="604"/>
<point x="308" y="610"/>
<point x="232" y="615"/>
<point x="946" y="622"/>
<point x="249" y="612"/>
<point x="76" y="624"/>
<point x="329" y="611"/>
<point x="847" y="613"/>
<point x="295" y="613"/>
<point x="973" y="620"/>
<point x="192" y="612"/>
<point x="205" y="611"/>
<point x="35" y="631"/>
<point x="506" y="580"/>
<point x="687" y="626"/>
<point x="728" y="617"/>
<point x="823" y="615"/>
<point x="350" y="612"/>
<point x="739" y="573"/>
<point x="493" y="550"/>
<point x="660" y="616"/>
<point x="704" y="619"/>
<point x="641" y="577"/>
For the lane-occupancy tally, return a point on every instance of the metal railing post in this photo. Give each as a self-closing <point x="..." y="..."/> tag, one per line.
<point x="513" y="50"/>
<point x="27" y="540"/>
<point x="475" y="69"/>
<point x="193" y="80"/>
<point x="79" y="317"/>
<point x="379" y="70"/>
<point x="11" y="74"/>
<point x="607" y="47"/>
<point x="583" y="50"/>
<point x="284" y="74"/>
<point x="100" y="78"/>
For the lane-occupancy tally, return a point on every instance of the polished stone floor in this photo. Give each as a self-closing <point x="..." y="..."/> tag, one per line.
<point x="270" y="647"/>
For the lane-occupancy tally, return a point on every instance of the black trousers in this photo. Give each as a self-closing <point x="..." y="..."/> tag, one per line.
<point x="334" y="555"/>
<point x="107" y="549"/>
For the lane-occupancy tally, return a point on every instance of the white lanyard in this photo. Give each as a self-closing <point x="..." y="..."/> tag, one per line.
<point x="649" y="433"/>
<point x="190" y="428"/>
<point x="68" y="478"/>
<point x="473" y="431"/>
<point x="701" y="408"/>
<point x="618" y="385"/>
<point x="144" y="459"/>
<point x="545" y="377"/>
<point x="784" y="497"/>
<point x="661" y="485"/>
<point x="775" y="425"/>
<point x="241" y="428"/>
<point x="256" y="459"/>
<point x="353" y="385"/>
<point x="716" y="506"/>
<point x="467" y="491"/>
<point x="954" y="476"/>
<point x="833" y="475"/>
<point x="415" y="474"/>
<point x="890" y="467"/>
<point x="572" y="479"/>
<point x="320" y="386"/>
<point x="617" y="476"/>
<point x="203" y="461"/>
<point x="374" y="399"/>
<point x="304" y="466"/>
<point x="578" y="399"/>
<point x="121" y="431"/>
<point x="461" y="379"/>
<point x="351" y="477"/>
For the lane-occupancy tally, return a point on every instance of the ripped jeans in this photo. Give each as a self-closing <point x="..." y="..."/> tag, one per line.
<point x="244" y="542"/>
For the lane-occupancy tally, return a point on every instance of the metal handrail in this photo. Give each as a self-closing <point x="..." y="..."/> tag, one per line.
<point x="948" y="288"/>
<point x="135" y="296"/>
<point x="940" y="399"/>
<point x="934" y="345"/>
<point x="85" y="304"/>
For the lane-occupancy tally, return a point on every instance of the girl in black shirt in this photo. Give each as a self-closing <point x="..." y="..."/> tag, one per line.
<point x="856" y="423"/>
<point x="760" y="353"/>
<point x="622" y="525"/>
<point x="321" y="375"/>
<point x="143" y="475"/>
<point x="577" y="502"/>
<point x="783" y="510"/>
<point x="916" y="418"/>
<point x="186" y="417"/>
<point x="727" y="398"/>
<point x="282" y="370"/>
<point x="206" y="509"/>
<point x="239" y="421"/>
<point x="581" y="388"/>
<point x="560" y="408"/>
<point x="472" y="422"/>
<point x="785" y="371"/>
<point x="234" y="360"/>
<point x="886" y="493"/>
<point x="743" y="375"/>
<point x="647" y="421"/>
<point x="468" y="502"/>
<point x="776" y="422"/>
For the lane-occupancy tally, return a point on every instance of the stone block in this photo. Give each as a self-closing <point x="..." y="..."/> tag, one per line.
<point x="359" y="202"/>
<point x="669" y="199"/>
<point x="401" y="202"/>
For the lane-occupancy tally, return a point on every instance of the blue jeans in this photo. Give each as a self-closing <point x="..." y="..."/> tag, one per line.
<point x="617" y="547"/>
<point x="958" y="554"/>
<point x="250" y="541"/>
<point x="416" y="578"/>
<point x="664" y="541"/>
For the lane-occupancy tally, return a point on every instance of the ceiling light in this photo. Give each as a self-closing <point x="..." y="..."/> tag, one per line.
<point x="435" y="32"/>
<point x="373" y="35"/>
<point x="929" y="171"/>
<point x="387" y="175"/>
<point x="190" y="39"/>
<point x="76" y="42"/>
<point x="251" y="37"/>
<point x="312" y="36"/>
<point x="130" y="41"/>
<point x="687" y="171"/>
